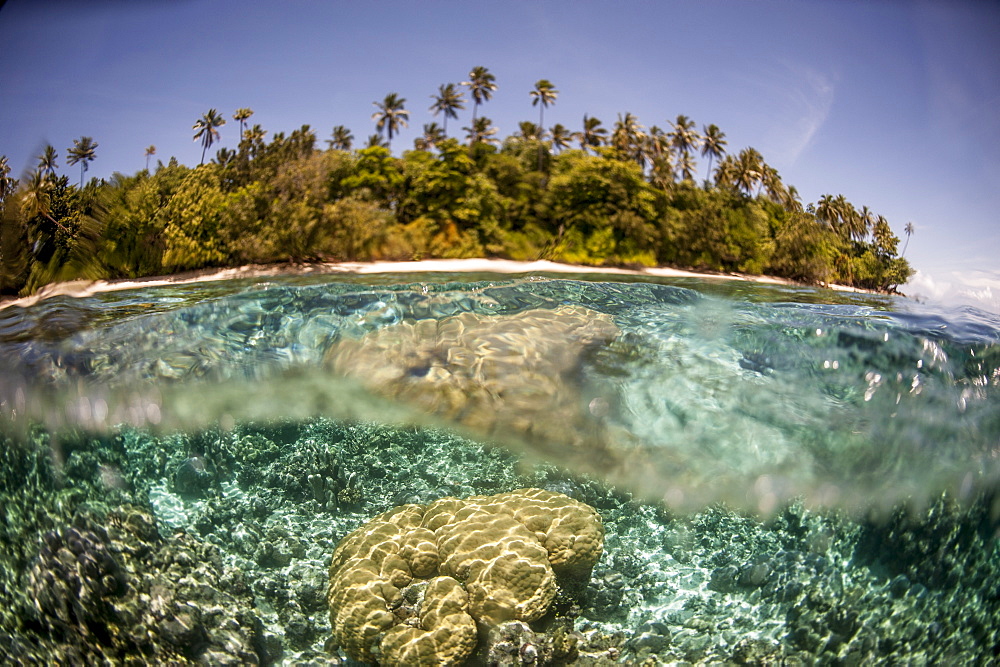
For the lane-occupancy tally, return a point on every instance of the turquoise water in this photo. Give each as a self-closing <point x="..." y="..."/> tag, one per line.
<point x="784" y="473"/>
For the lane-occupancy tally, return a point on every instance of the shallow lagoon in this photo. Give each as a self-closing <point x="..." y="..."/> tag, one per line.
<point x="783" y="473"/>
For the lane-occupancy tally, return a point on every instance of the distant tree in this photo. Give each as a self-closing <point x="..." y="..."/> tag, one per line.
<point x="376" y="141"/>
<point x="481" y="86"/>
<point x="7" y="183"/>
<point x="861" y="224"/>
<point x="391" y="116"/>
<point x="684" y="139"/>
<point x="848" y="217"/>
<point x="82" y="152"/>
<point x="791" y="200"/>
<point x="826" y="211"/>
<point x="448" y="101"/>
<point x="241" y="116"/>
<point x="685" y="166"/>
<point x="593" y="135"/>
<point x="713" y="146"/>
<point x="340" y="139"/>
<point x="36" y="198"/>
<point x="657" y="148"/>
<point x="561" y="137"/>
<point x="150" y="151"/>
<point x="745" y="171"/>
<point x="252" y="142"/>
<point x="481" y="131"/>
<point x="207" y="131"/>
<point x="909" y="231"/>
<point x="885" y="241"/>
<point x="629" y="139"/>
<point x="47" y="161"/>
<point x="256" y="134"/>
<point x="542" y="95"/>
<point x="432" y="136"/>
<point x="528" y="131"/>
<point x="225" y="157"/>
<point x="302" y="142"/>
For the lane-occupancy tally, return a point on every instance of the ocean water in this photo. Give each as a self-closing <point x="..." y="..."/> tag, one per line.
<point x="785" y="475"/>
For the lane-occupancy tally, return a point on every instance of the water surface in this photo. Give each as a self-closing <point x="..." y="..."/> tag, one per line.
<point x="785" y="474"/>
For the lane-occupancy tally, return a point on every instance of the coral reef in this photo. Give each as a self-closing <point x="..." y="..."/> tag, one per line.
<point x="490" y="559"/>
<point x="88" y="575"/>
<point x="118" y="591"/>
<point x="495" y="374"/>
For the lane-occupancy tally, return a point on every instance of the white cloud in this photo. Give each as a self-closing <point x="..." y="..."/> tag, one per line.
<point x="979" y="288"/>
<point x="796" y="100"/>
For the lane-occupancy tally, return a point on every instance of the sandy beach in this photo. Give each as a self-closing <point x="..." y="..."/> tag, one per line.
<point x="82" y="288"/>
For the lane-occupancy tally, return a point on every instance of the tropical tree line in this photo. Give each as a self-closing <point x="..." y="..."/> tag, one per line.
<point x="624" y="195"/>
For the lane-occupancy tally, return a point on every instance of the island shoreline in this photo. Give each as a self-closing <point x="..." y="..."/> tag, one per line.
<point x="83" y="288"/>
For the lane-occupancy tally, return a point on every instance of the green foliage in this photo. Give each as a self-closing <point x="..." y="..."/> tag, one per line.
<point x="14" y="256"/>
<point x="377" y="176"/>
<point x="804" y="250"/>
<point x="191" y="222"/>
<point x="359" y="230"/>
<point x="603" y="211"/>
<point x="632" y="202"/>
<point x="132" y="237"/>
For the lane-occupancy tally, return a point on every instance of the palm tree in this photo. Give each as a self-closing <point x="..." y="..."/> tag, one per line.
<point x="302" y="141"/>
<point x="254" y="137"/>
<point x="341" y="139"/>
<point x="36" y="199"/>
<point x="481" y="86"/>
<point x="685" y="167"/>
<point x="543" y="94"/>
<point x="561" y="137"/>
<point x="47" y="161"/>
<point x="376" y="141"/>
<point x="657" y="147"/>
<point x="528" y="131"/>
<point x="791" y="200"/>
<point x="241" y="116"/>
<point x="725" y="172"/>
<point x="861" y="224"/>
<point x="684" y="139"/>
<point x="448" y="101"/>
<point x="150" y="151"/>
<point x="224" y="157"/>
<point x="713" y="145"/>
<point x="629" y="138"/>
<point x="432" y="136"/>
<point x="6" y="182"/>
<point x="390" y="116"/>
<point x="82" y="152"/>
<point x="593" y="135"/>
<point x="481" y="131"/>
<point x="206" y="130"/>
<point x="771" y="183"/>
<point x="909" y="230"/>
<point x="826" y="210"/>
<point x="885" y="241"/>
<point x="749" y="170"/>
<point x="847" y="215"/>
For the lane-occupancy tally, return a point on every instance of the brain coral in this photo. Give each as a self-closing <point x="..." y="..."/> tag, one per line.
<point x="488" y="559"/>
<point x="491" y="373"/>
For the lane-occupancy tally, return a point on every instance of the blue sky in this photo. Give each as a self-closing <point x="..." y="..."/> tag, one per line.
<point x="893" y="104"/>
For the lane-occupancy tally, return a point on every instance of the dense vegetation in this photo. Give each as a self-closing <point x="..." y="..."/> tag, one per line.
<point x="625" y="197"/>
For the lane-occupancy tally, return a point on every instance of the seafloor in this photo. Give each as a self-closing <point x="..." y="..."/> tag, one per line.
<point x="213" y="548"/>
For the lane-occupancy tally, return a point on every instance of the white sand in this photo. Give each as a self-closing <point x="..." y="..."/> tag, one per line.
<point x="80" y="288"/>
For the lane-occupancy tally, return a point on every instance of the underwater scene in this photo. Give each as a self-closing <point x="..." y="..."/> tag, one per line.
<point x="473" y="469"/>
